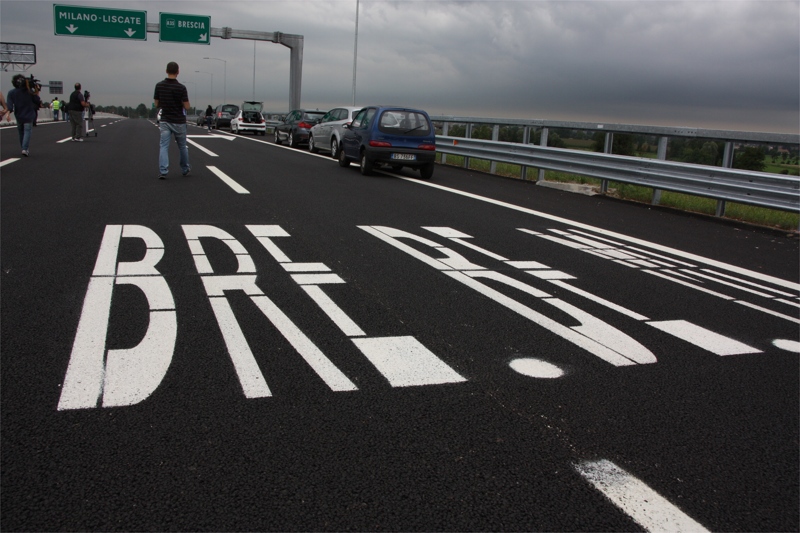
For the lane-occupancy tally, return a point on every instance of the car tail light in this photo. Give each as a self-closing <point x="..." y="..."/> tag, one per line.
<point x="380" y="144"/>
<point x="219" y="115"/>
<point x="240" y="119"/>
<point x="427" y="147"/>
<point x="304" y="125"/>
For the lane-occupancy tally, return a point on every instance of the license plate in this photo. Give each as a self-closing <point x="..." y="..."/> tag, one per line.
<point x="405" y="157"/>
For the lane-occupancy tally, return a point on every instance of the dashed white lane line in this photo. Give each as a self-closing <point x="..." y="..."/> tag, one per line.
<point x="8" y="161"/>
<point x="644" y="505"/>
<point x="228" y="181"/>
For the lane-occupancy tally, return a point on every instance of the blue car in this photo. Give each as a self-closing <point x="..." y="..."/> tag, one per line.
<point x="392" y="136"/>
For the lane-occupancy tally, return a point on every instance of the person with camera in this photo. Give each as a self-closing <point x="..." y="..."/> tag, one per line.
<point x="23" y="100"/>
<point x="77" y="102"/>
<point x="171" y="97"/>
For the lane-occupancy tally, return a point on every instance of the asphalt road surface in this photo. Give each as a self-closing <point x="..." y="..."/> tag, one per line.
<point x="277" y="343"/>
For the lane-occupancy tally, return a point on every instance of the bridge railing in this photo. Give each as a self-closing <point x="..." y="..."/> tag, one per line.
<point x="775" y="191"/>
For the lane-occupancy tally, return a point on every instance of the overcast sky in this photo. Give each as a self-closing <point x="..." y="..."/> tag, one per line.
<point x="707" y="64"/>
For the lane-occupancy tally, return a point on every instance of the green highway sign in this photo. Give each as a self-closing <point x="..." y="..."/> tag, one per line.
<point x="82" y="21"/>
<point x="182" y="28"/>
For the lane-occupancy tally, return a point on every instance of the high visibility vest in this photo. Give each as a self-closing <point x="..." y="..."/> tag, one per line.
<point x="56" y="103"/>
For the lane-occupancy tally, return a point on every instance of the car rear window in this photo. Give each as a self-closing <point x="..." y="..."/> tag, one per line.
<point x="314" y="115"/>
<point x="401" y="122"/>
<point x="232" y="109"/>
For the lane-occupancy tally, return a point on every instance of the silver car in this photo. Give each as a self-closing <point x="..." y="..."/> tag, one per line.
<point x="327" y="134"/>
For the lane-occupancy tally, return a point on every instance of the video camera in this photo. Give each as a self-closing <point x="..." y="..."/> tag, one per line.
<point x="86" y="95"/>
<point x="31" y="84"/>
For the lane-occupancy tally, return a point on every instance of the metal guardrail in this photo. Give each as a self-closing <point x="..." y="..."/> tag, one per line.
<point x="660" y="131"/>
<point x="722" y="184"/>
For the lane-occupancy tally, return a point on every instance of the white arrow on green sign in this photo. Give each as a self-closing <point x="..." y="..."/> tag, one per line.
<point x="108" y="23"/>
<point x="183" y="28"/>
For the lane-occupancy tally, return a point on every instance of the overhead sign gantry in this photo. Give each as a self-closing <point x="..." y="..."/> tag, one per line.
<point x="132" y="25"/>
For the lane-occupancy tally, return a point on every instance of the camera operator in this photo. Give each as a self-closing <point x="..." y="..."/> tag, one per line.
<point x="77" y="102"/>
<point x="23" y="100"/>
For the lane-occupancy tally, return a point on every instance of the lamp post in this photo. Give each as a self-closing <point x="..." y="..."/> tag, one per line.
<point x="355" y="56"/>
<point x="225" y="79"/>
<point x="212" y="83"/>
<point x="195" y="95"/>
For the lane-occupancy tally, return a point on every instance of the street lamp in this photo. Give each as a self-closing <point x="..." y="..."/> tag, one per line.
<point x="212" y="83"/>
<point x="225" y="80"/>
<point x="195" y="94"/>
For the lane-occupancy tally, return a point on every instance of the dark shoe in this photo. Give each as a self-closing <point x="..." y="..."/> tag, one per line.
<point x="162" y="176"/>
<point x="187" y="172"/>
<point x="25" y="153"/>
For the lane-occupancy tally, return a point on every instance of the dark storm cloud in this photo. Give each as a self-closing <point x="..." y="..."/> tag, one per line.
<point x="716" y="64"/>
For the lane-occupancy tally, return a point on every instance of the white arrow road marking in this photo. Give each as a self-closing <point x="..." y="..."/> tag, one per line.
<point x="644" y="505"/>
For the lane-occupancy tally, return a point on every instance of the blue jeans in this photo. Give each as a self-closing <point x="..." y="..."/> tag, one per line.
<point x="24" y="134"/>
<point x="167" y="131"/>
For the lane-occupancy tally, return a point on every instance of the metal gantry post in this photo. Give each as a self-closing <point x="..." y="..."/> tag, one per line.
<point x="293" y="42"/>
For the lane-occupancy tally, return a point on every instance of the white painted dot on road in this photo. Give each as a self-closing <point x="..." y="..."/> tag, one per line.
<point x="536" y="368"/>
<point x="787" y="344"/>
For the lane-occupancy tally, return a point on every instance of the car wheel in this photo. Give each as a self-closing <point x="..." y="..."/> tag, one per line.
<point x="343" y="161"/>
<point x="277" y="137"/>
<point x="426" y="172"/>
<point x="311" y="146"/>
<point x="366" y="165"/>
<point x="234" y="130"/>
<point x="290" y="140"/>
<point x="334" y="148"/>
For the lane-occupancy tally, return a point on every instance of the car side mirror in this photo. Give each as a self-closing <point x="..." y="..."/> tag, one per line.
<point x="346" y="126"/>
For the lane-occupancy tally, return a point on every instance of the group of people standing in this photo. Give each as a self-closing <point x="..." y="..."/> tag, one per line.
<point x="24" y="101"/>
<point x="170" y="96"/>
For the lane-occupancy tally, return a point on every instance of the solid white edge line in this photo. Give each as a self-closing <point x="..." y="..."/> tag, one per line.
<point x="228" y="181"/>
<point x="640" y="242"/>
<point x="633" y="497"/>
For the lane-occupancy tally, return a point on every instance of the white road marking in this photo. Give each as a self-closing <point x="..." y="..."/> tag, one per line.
<point x="334" y="312"/>
<point x="405" y="362"/>
<point x="536" y="368"/>
<point x="686" y="255"/>
<point x="250" y="377"/>
<point x="693" y="286"/>
<point x="644" y="505"/>
<point x="9" y="161"/>
<point x="201" y="148"/>
<point x="769" y="311"/>
<point x="704" y="338"/>
<point x="228" y="181"/>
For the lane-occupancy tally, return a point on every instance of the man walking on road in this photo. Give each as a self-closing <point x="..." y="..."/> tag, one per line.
<point x="75" y="108"/>
<point x="24" y="102"/>
<point x="173" y="99"/>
